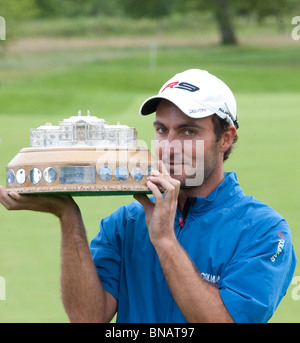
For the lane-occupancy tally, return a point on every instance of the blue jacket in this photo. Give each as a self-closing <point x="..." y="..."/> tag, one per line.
<point x="235" y="241"/>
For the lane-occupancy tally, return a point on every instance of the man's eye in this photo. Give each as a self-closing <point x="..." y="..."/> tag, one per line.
<point x="161" y="130"/>
<point x="189" y="132"/>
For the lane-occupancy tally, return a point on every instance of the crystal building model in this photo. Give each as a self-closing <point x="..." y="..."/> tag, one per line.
<point x="83" y="155"/>
<point x="83" y="131"/>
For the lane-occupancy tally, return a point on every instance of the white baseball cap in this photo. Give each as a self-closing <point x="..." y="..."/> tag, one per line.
<point x="198" y="94"/>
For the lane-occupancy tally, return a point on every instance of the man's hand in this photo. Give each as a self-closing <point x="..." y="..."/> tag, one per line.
<point x="198" y="300"/>
<point x="83" y="296"/>
<point x="160" y="215"/>
<point x="55" y="204"/>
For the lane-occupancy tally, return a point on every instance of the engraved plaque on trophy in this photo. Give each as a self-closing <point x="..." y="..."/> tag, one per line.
<point x="83" y="155"/>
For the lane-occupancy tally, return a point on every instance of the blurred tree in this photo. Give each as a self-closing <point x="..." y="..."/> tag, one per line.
<point x="14" y="12"/>
<point x="226" y="10"/>
<point x="224" y="17"/>
<point x="78" y="8"/>
<point x="48" y="8"/>
<point x="268" y="8"/>
<point x="148" y="8"/>
<point x="223" y="11"/>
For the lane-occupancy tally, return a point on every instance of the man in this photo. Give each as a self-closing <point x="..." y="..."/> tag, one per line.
<point x="199" y="250"/>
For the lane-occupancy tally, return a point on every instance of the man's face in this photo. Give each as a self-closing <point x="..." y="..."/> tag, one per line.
<point x="186" y="146"/>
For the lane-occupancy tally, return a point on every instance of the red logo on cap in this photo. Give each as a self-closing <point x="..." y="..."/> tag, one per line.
<point x="182" y="85"/>
<point x="171" y="85"/>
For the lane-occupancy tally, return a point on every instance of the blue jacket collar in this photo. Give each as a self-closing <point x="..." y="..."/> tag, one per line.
<point x="228" y="188"/>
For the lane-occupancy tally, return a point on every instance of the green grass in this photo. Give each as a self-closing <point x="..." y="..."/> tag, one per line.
<point x="112" y="83"/>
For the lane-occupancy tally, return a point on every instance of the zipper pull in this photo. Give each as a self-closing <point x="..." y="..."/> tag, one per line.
<point x="181" y="222"/>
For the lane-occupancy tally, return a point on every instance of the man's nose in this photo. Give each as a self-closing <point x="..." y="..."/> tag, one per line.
<point x="174" y="141"/>
<point x="171" y="146"/>
<point x="171" y="136"/>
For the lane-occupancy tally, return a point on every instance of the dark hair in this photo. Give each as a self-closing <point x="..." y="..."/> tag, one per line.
<point x="220" y="126"/>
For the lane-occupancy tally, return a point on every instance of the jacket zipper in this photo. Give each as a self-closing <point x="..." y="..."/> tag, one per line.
<point x="181" y="226"/>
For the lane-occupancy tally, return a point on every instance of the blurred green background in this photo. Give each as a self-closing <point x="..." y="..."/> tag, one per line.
<point x="107" y="57"/>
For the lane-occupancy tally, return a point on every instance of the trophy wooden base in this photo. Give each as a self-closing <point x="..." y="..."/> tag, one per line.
<point x="83" y="171"/>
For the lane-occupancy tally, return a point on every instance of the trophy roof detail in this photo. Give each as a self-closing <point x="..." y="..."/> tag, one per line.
<point x="83" y="131"/>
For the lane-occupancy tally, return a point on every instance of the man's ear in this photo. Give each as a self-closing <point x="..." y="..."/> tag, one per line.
<point x="227" y="138"/>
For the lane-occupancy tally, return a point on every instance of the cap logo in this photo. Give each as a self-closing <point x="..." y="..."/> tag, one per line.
<point x="182" y="85"/>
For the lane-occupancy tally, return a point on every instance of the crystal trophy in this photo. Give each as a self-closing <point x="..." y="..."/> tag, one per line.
<point x="83" y="155"/>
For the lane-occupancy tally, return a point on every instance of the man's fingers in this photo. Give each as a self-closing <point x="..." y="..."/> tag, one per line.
<point x="13" y="200"/>
<point x="160" y="180"/>
<point x="5" y="199"/>
<point x="171" y="187"/>
<point x="155" y="190"/>
<point x="163" y="172"/>
<point x="15" y="195"/>
<point x="41" y="203"/>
